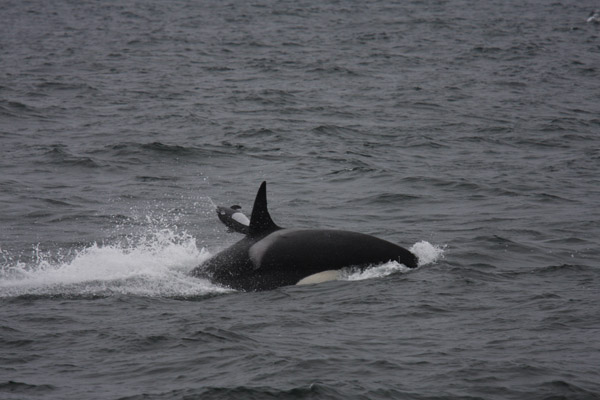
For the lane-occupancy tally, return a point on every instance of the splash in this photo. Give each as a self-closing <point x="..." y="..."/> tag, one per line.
<point x="379" y="271"/>
<point x="156" y="265"/>
<point x="425" y="251"/>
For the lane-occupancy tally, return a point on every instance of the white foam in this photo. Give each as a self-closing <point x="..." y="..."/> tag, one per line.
<point x="377" y="271"/>
<point x="425" y="251"/>
<point x="154" y="265"/>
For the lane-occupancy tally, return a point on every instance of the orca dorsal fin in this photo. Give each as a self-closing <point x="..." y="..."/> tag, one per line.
<point x="260" y="220"/>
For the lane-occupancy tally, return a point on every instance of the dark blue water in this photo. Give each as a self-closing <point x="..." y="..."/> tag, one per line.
<point x="466" y="131"/>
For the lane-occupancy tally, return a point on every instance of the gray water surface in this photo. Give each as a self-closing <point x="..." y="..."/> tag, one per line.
<point x="466" y="131"/>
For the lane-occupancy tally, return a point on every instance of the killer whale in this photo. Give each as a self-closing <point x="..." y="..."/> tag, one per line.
<point x="234" y="219"/>
<point x="270" y="256"/>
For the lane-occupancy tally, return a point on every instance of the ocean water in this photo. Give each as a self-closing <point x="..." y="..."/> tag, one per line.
<point x="466" y="131"/>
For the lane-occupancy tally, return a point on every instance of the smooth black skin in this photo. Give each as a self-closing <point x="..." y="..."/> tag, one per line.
<point x="270" y="256"/>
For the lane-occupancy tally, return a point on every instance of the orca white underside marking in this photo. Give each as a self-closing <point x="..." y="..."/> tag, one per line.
<point x="320" y="277"/>
<point x="241" y="218"/>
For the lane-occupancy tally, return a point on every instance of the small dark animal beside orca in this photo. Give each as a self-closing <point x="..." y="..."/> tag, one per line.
<point x="270" y="256"/>
<point x="234" y="219"/>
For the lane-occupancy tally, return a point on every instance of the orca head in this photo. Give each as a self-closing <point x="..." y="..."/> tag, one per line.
<point x="233" y="218"/>
<point x="261" y="223"/>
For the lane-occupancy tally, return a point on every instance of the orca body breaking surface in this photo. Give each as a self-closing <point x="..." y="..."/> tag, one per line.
<point x="270" y="256"/>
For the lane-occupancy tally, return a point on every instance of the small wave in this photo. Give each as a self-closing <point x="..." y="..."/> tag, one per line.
<point x="388" y="198"/>
<point x="59" y="154"/>
<point x="559" y="269"/>
<point x="155" y="266"/>
<point x="166" y="148"/>
<point x="333" y="69"/>
<point x="25" y="388"/>
<point x="15" y="109"/>
<point x="313" y="390"/>
<point x="130" y="149"/>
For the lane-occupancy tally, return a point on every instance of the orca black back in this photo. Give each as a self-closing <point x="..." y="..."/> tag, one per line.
<point x="270" y="256"/>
